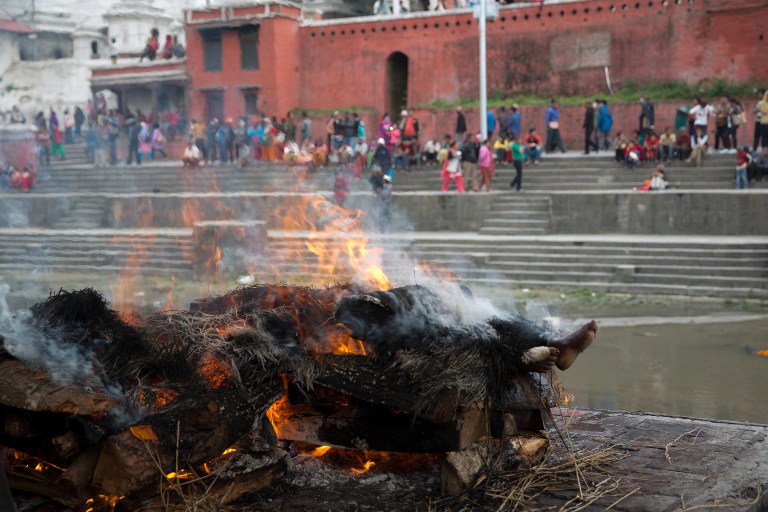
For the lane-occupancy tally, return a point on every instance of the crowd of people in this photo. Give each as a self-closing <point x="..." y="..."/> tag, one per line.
<point x="172" y="47"/>
<point x="465" y="158"/>
<point x="693" y="142"/>
<point x="383" y="7"/>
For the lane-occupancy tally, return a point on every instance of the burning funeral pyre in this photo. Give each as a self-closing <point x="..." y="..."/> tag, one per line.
<point x="99" y="407"/>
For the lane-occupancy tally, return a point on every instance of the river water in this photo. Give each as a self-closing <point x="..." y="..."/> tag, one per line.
<point x="695" y="368"/>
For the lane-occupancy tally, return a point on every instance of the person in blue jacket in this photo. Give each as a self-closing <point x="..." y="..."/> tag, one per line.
<point x="604" y="125"/>
<point x="552" y="119"/>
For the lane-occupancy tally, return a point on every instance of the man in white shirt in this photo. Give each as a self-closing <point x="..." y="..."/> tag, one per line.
<point x="192" y="155"/>
<point x="701" y="113"/>
<point x="698" y="146"/>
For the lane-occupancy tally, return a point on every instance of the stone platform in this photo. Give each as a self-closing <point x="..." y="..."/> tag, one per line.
<point x="669" y="464"/>
<point x="678" y="463"/>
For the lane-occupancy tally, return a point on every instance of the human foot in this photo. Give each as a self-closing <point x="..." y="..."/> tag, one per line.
<point x="540" y="359"/>
<point x="573" y="344"/>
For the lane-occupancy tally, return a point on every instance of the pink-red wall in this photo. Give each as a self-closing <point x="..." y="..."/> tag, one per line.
<point x="559" y="49"/>
<point x="17" y="146"/>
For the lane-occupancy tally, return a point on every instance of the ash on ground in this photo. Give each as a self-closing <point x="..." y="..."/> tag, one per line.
<point x="330" y="482"/>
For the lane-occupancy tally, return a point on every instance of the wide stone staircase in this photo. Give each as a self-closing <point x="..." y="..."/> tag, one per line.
<point x="693" y="266"/>
<point x="86" y="212"/>
<point x="717" y="266"/>
<point x="513" y="247"/>
<point x="592" y="173"/>
<point x="517" y="214"/>
<point x="75" y="156"/>
<point x="578" y="173"/>
<point x="31" y="252"/>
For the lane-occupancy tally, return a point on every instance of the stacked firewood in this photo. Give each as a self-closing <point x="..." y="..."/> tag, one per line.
<point x="168" y="395"/>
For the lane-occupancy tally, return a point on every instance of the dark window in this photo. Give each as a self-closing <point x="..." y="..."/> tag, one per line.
<point x="249" y="47"/>
<point x="212" y="49"/>
<point x="251" y="98"/>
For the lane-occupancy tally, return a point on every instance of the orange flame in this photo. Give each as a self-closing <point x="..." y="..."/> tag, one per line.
<point x="181" y="475"/>
<point x="275" y="413"/>
<point x="320" y="451"/>
<point x="342" y="343"/>
<point x="366" y="467"/>
<point x="336" y="240"/>
<point x="763" y="353"/>
<point x="123" y="289"/>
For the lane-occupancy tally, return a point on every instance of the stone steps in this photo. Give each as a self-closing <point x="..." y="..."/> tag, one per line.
<point x="554" y="174"/>
<point x="148" y="253"/>
<point x="719" y="268"/>
<point x="637" y="270"/>
<point x="730" y="293"/>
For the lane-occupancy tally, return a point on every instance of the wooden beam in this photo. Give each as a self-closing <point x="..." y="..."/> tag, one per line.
<point x="378" y="428"/>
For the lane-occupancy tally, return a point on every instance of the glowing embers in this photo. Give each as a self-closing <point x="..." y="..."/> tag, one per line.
<point x="156" y="398"/>
<point x="360" y="462"/>
<point x="102" y="502"/>
<point x="216" y="371"/>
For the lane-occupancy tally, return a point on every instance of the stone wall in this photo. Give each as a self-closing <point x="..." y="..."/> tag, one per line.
<point x="720" y="213"/>
<point x="559" y="48"/>
<point x="724" y="213"/>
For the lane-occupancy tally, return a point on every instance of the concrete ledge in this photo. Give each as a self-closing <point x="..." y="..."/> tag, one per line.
<point x="661" y="213"/>
<point x="715" y="213"/>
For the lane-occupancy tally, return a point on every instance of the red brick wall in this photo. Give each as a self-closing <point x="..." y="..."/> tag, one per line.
<point x="561" y="48"/>
<point x="547" y="53"/>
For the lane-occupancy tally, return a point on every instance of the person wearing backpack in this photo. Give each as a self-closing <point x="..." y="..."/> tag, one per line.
<point x="604" y="125"/>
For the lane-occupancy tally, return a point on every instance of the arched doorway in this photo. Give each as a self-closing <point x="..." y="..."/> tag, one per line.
<point x="397" y="83"/>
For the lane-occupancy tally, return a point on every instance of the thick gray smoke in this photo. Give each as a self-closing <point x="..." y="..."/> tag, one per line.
<point x="67" y="364"/>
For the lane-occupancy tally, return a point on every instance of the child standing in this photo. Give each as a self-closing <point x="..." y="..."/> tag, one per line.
<point x="743" y="159"/>
<point x="518" y="155"/>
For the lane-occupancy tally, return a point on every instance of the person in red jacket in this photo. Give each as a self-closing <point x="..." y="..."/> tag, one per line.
<point x="57" y="138"/>
<point x="341" y="188"/>
<point x="743" y="159"/>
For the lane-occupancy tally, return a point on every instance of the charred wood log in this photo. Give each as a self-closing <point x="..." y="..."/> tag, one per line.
<point x="192" y="431"/>
<point x="372" y="427"/>
<point x="6" y="499"/>
<point x="31" y="389"/>
<point x="77" y="477"/>
<point x="462" y="469"/>
<point x="252" y="481"/>
<point x="55" y="438"/>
